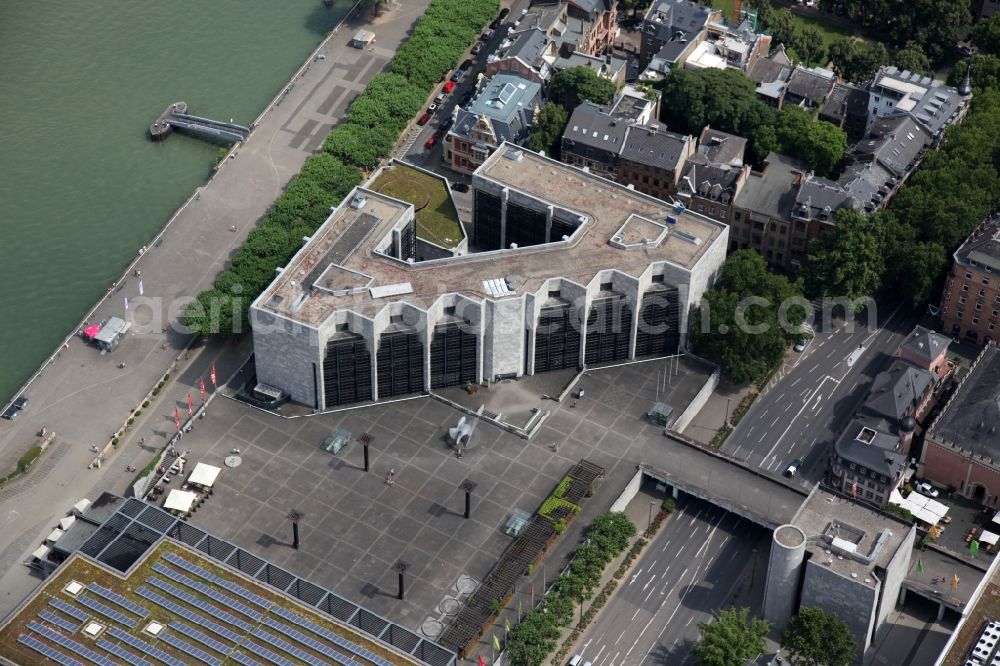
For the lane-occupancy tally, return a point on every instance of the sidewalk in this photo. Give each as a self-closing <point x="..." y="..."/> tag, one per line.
<point x="83" y="395"/>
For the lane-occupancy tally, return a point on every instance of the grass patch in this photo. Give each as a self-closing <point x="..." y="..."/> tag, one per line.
<point x="437" y="219"/>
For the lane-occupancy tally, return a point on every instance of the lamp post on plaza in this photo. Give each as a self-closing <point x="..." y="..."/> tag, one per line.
<point x="295" y="516"/>
<point x="365" y="440"/>
<point x="400" y="568"/>
<point x="468" y="487"/>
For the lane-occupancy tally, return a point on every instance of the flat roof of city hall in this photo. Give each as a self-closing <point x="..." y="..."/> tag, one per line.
<point x="340" y="264"/>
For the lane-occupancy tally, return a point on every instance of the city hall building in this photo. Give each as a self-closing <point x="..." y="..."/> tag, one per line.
<point x="569" y="270"/>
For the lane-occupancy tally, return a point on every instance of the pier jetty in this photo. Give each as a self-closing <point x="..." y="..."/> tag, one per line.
<point x="176" y="116"/>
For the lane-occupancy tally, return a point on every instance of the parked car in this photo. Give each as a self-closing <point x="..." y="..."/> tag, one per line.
<point x="457" y="76"/>
<point x="460" y="187"/>
<point x="15" y="408"/>
<point x="503" y="13"/>
<point x="487" y="34"/>
<point x="446" y="124"/>
<point x="793" y="468"/>
<point x="440" y="98"/>
<point x="431" y="142"/>
<point x="432" y="108"/>
<point x="477" y="49"/>
<point x="448" y="87"/>
<point x="466" y="65"/>
<point x="801" y="345"/>
<point x="424" y="119"/>
<point x="925" y="488"/>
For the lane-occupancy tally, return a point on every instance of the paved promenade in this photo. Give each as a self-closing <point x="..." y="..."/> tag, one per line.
<point x="85" y="396"/>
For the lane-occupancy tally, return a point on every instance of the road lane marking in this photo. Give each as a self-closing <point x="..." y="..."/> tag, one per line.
<point x="819" y="399"/>
<point x="796" y="382"/>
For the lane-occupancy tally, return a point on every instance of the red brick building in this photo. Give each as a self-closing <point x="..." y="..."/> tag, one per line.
<point x="970" y="302"/>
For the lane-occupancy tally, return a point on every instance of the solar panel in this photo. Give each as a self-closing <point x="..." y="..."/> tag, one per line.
<point x="116" y="598"/>
<point x="312" y="643"/>
<point x="204" y="639"/>
<point x="229" y="586"/>
<point x="144" y="647"/>
<point x="70" y="644"/>
<point x="106" y="611"/>
<point x="334" y="638"/>
<point x="241" y="658"/>
<point x="187" y="648"/>
<point x="69" y="609"/>
<point x="212" y="593"/>
<point x="296" y="652"/>
<point x="177" y="609"/>
<point x="214" y="611"/>
<point x="119" y="651"/>
<point x="40" y="647"/>
<point x="52" y="618"/>
<point x="262" y="651"/>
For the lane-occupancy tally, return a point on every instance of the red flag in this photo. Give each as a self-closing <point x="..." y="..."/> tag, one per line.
<point x="482" y="662"/>
<point x="190" y="405"/>
<point x="854" y="490"/>
<point x="212" y="376"/>
<point x="177" y="419"/>
<point x="201" y="387"/>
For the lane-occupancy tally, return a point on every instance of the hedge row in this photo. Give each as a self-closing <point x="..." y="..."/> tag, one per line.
<point x="374" y="122"/>
<point x="535" y="636"/>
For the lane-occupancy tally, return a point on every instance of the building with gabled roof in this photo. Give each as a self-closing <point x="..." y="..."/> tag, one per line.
<point x="962" y="447"/>
<point x="970" y="301"/>
<point x="931" y="103"/>
<point x="672" y="29"/>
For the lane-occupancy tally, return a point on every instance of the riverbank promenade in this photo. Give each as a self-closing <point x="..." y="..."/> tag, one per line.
<point x="83" y="395"/>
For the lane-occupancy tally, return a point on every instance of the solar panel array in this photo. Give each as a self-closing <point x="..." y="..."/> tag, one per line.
<point x="214" y="611"/>
<point x="241" y="658"/>
<point x="334" y="638"/>
<point x="208" y="591"/>
<point x="297" y="652"/>
<point x="116" y="598"/>
<point x="262" y="651"/>
<point x="177" y="609"/>
<point x="119" y="651"/>
<point x="311" y="642"/>
<point x="59" y="621"/>
<point x="70" y="644"/>
<point x="40" y="647"/>
<point x="144" y="647"/>
<point x="107" y="611"/>
<point x="187" y="648"/>
<point x="202" y="638"/>
<point x="69" y="609"/>
<point x="228" y="585"/>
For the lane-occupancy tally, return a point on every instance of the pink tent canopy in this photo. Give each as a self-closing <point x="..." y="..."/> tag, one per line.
<point x="91" y="331"/>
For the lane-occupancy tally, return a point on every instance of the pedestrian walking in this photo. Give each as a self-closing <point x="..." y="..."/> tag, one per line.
<point x="390" y="477"/>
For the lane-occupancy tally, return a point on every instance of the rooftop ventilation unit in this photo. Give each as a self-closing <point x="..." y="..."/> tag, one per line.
<point x="359" y="202"/>
<point x="690" y="238"/>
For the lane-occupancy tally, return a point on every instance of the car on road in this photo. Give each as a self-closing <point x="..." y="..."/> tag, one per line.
<point x="486" y="35"/>
<point x="440" y="98"/>
<point x="793" y="468"/>
<point x="457" y="76"/>
<point x="466" y="65"/>
<point x="431" y="142"/>
<point x="477" y="49"/>
<point x="460" y="187"/>
<point x="802" y="343"/>
<point x="503" y="13"/>
<point x="925" y="488"/>
<point x="424" y="119"/>
<point x="448" y="87"/>
<point x="15" y="408"/>
<point x="446" y="124"/>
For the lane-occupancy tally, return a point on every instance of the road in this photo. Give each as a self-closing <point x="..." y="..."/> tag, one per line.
<point x="806" y="407"/>
<point x="691" y="568"/>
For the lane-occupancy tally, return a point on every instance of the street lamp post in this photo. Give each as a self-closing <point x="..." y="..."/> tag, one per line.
<point x="365" y="440"/>
<point x="295" y="516"/>
<point x="400" y="569"/>
<point x="468" y="487"/>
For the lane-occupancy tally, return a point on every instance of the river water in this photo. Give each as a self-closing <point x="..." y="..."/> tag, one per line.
<point x="81" y="185"/>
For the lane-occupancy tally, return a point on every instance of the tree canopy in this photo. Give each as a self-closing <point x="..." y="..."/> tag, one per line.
<point x="548" y="129"/>
<point x="745" y="322"/>
<point x="725" y="99"/>
<point x="934" y="25"/>
<point x="857" y="61"/>
<point x="731" y="639"/>
<point x="818" y="142"/>
<point x="808" y="44"/>
<point x="816" y="638"/>
<point x="986" y="35"/>
<point x="984" y="72"/>
<point x="911" y="57"/>
<point x="847" y="260"/>
<point x="572" y="86"/>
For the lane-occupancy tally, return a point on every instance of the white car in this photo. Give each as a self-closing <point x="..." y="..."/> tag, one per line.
<point x="927" y="489"/>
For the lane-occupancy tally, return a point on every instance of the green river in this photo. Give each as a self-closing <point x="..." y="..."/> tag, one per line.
<point x="81" y="185"/>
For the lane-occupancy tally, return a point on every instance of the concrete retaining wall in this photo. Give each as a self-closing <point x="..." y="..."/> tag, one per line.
<point x="629" y="493"/>
<point x="699" y="400"/>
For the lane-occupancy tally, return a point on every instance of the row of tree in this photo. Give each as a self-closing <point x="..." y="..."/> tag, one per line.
<point x="727" y="100"/>
<point x="535" y="636"/>
<point x="373" y="125"/>
<point x="812" y="638"/>
<point x="907" y="247"/>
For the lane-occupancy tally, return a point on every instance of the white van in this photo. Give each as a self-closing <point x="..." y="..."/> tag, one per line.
<point x="575" y="661"/>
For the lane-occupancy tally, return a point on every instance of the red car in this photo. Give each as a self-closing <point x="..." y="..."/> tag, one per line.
<point x="431" y="142"/>
<point x="448" y="87"/>
<point x="424" y="119"/>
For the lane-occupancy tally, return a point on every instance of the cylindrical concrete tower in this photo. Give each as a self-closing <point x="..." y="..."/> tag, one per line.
<point x="784" y="569"/>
